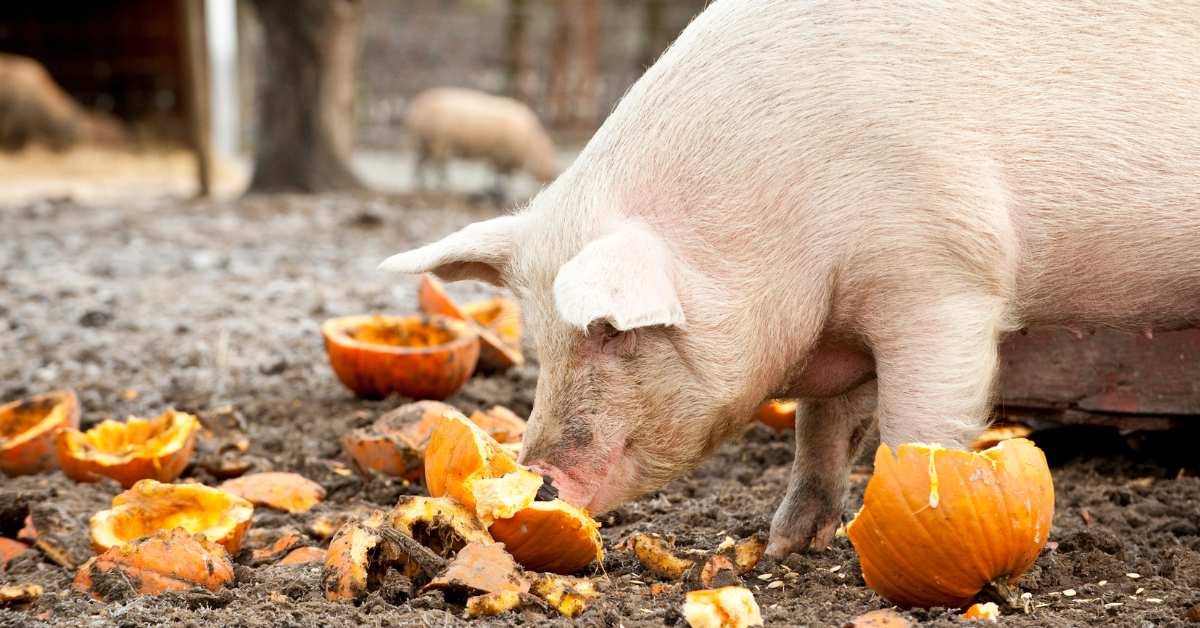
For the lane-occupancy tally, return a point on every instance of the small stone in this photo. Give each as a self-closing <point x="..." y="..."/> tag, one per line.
<point x="765" y="576"/>
<point x="1069" y="593"/>
<point x="1139" y="591"/>
<point x="1133" y="576"/>
<point x="775" y="585"/>
<point x="1154" y="600"/>
<point x="95" y="318"/>
<point x="1102" y="583"/>
<point x="835" y="569"/>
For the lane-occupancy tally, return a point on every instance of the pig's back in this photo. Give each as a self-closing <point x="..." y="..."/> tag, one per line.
<point x="1072" y="129"/>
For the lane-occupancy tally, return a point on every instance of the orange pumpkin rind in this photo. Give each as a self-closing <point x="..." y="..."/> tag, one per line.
<point x="497" y="320"/>
<point x="937" y="526"/>
<point x="423" y="357"/>
<point x="136" y="449"/>
<point x="280" y="490"/>
<point x="778" y="414"/>
<point x="29" y="429"/>
<point x="395" y="443"/>
<point x="541" y="535"/>
<point x="171" y="560"/>
<point x="726" y="607"/>
<point x="569" y="596"/>
<point x="150" y="507"/>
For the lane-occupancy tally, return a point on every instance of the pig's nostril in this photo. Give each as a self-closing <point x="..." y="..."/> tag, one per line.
<point x="547" y="491"/>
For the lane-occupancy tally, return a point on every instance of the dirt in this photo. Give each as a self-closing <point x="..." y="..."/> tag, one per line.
<point x="202" y="306"/>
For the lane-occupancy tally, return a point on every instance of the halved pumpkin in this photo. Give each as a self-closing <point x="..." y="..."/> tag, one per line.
<point x="171" y="560"/>
<point x="464" y="462"/>
<point x="28" y="429"/>
<point x="137" y="449"/>
<point x="778" y="414"/>
<point x="498" y="321"/>
<point x="937" y="526"/>
<point x="423" y="357"/>
<point x="150" y="507"/>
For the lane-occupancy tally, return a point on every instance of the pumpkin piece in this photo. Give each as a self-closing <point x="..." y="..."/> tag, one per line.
<point x="505" y="496"/>
<point x="543" y="536"/>
<point x="279" y="490"/>
<point x="986" y="611"/>
<point x="149" y="507"/>
<point x="748" y="551"/>
<point x="29" y="429"/>
<point x="349" y="572"/>
<point x="303" y="556"/>
<point x="938" y="526"/>
<point x="569" y="596"/>
<point x="881" y="618"/>
<point x="998" y="432"/>
<point x="283" y="545"/>
<point x="395" y="443"/>
<point x="137" y="449"/>
<point x="424" y="357"/>
<point x="326" y="524"/>
<point x="778" y="414"/>
<point x="438" y="523"/>
<point x="171" y="560"/>
<point x="727" y="607"/>
<point x="500" y="337"/>
<point x="10" y="549"/>
<point x="492" y="604"/>
<point x="654" y="554"/>
<point x="480" y="568"/>
<point x="501" y="424"/>
<point x="720" y="571"/>
<point x="14" y="595"/>
<point x="497" y="321"/>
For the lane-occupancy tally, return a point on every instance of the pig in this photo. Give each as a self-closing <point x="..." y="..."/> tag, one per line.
<point x="850" y="203"/>
<point x="456" y="122"/>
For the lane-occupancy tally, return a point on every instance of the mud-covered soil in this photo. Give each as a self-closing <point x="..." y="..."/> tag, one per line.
<point x="205" y="306"/>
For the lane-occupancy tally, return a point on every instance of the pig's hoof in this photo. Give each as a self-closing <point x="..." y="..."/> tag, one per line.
<point x="810" y="529"/>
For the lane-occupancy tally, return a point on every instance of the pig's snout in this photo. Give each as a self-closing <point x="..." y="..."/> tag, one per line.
<point x="595" y="490"/>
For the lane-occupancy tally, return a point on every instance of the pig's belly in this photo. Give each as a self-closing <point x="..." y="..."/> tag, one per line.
<point x="833" y="369"/>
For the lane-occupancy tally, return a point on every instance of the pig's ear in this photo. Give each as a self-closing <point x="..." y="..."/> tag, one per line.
<point x="623" y="278"/>
<point x="481" y="250"/>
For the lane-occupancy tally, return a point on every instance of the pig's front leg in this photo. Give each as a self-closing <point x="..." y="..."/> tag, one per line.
<point x="829" y="435"/>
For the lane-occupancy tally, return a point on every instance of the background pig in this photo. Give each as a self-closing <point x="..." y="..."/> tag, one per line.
<point x="848" y="202"/>
<point x="454" y="122"/>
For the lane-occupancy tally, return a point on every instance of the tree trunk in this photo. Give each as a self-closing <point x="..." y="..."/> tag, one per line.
<point x="518" y="49"/>
<point x="306" y="105"/>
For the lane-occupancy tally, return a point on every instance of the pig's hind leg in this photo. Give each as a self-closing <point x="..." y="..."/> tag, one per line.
<point x="829" y="435"/>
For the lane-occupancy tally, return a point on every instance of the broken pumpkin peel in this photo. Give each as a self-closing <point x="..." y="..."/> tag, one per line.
<point x="150" y="507"/>
<point x="136" y="449"/>
<point x="29" y="429"/>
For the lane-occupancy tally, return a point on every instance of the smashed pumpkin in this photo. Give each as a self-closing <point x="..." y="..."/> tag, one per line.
<point x="424" y="357"/>
<point x="136" y="449"/>
<point x="150" y="507"/>
<point x="28" y="429"/>
<point x="277" y="489"/>
<point x="497" y="320"/>
<point x="395" y="443"/>
<point x="171" y="560"/>
<point x="778" y="414"/>
<point x="937" y="526"/>
<point x="726" y="607"/>
<point x="464" y="462"/>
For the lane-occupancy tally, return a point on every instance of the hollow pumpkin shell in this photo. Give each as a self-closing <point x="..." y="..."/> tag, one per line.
<point x="136" y="449"/>
<point x="464" y="462"/>
<point x="498" y="321"/>
<point x="423" y="357"/>
<point x="939" y="525"/>
<point x="150" y="507"/>
<point x="778" y="414"/>
<point x="29" y="428"/>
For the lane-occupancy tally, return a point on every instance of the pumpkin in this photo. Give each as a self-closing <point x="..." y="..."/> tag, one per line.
<point x="937" y="526"/>
<point x="136" y="449"/>
<point x="464" y="462"/>
<point x="778" y="414"/>
<point x="149" y="507"/>
<point x="303" y="556"/>
<point x="10" y="549"/>
<point x="171" y="560"/>
<point x="726" y="607"/>
<point x="998" y="432"/>
<point x="423" y="357"/>
<point x="501" y="423"/>
<point x="395" y="443"/>
<point x="28" y="429"/>
<point x="497" y="320"/>
<point x="275" y="489"/>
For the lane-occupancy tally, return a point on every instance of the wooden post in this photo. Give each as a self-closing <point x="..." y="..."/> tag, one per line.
<point x="195" y="87"/>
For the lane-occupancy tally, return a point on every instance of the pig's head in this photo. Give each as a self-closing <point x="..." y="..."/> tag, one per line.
<point x="638" y="380"/>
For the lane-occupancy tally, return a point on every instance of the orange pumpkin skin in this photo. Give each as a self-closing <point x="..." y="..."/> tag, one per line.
<point x="149" y="507"/>
<point x="938" y="525"/>
<point x="374" y="370"/>
<point x="537" y="537"/>
<point x="497" y="320"/>
<point x="395" y="443"/>
<point x="171" y="560"/>
<point x="160" y="449"/>
<point x="778" y="414"/>
<point x="29" y="428"/>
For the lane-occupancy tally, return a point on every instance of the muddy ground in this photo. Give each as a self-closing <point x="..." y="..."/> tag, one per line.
<point x="202" y="306"/>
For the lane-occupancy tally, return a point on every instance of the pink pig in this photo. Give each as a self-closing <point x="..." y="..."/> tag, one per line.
<point x="850" y="203"/>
